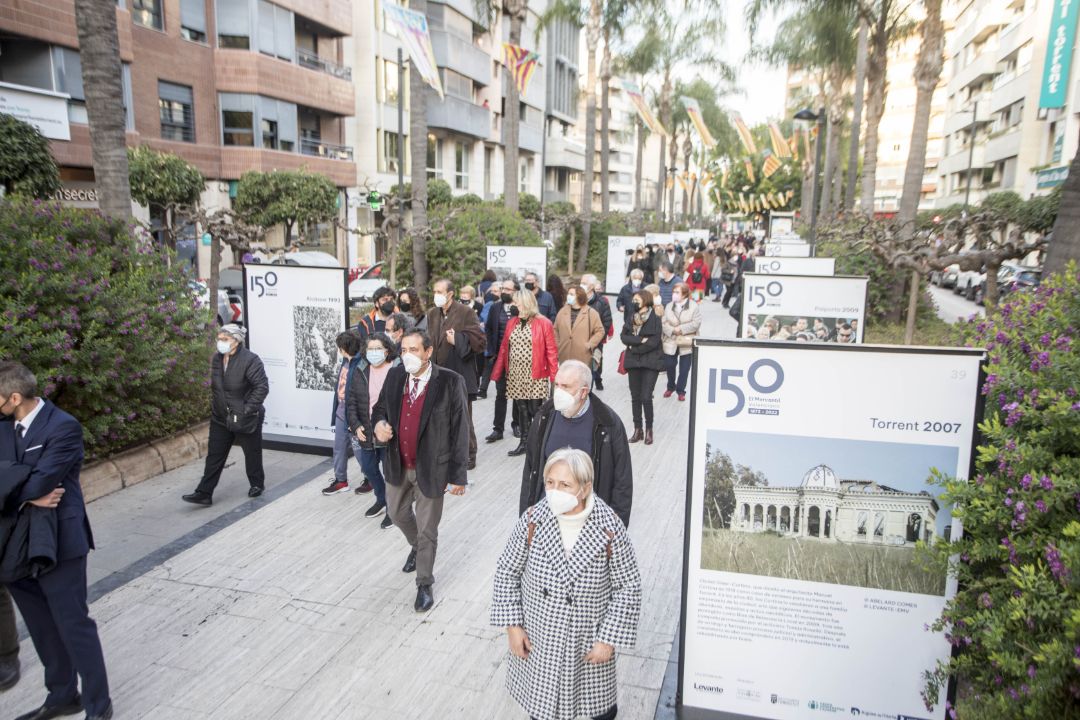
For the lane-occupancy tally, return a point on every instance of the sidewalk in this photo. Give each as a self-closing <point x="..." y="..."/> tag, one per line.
<point x="294" y="605"/>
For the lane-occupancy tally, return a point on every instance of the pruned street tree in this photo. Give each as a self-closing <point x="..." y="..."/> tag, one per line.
<point x="161" y="181"/>
<point x="286" y="197"/>
<point x="27" y="166"/>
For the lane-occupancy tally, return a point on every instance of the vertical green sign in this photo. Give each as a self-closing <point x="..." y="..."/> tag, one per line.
<point x="1059" y="50"/>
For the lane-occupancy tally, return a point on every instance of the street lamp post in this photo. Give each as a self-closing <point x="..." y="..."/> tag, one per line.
<point x="822" y="123"/>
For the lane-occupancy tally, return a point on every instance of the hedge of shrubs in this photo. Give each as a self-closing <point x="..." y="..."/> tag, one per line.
<point x="112" y="332"/>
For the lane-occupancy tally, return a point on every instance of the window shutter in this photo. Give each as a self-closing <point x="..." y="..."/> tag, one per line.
<point x="193" y="14"/>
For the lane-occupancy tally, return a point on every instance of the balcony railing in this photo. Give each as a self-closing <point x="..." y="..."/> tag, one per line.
<point x="317" y="148"/>
<point x="312" y="61"/>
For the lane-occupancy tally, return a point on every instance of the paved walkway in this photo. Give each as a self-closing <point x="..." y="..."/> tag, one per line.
<point x="294" y="605"/>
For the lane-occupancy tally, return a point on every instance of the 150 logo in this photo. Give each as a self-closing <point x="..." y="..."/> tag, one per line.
<point x="495" y="256"/>
<point x="759" y="382"/>
<point x="761" y="293"/>
<point x="260" y="284"/>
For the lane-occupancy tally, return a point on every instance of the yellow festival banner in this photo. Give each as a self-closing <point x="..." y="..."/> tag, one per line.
<point x="770" y="166"/>
<point x="638" y="99"/>
<point x="411" y="29"/>
<point x="779" y="144"/>
<point x="744" y="134"/>
<point x="693" y="109"/>
<point x="749" y="165"/>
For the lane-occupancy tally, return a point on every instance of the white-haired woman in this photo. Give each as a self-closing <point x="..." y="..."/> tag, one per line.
<point x="568" y="592"/>
<point x="238" y="387"/>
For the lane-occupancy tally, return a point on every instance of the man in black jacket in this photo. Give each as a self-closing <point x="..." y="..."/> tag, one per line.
<point x="422" y="416"/>
<point x="238" y="387"/>
<point x="54" y="605"/>
<point x="494" y="329"/>
<point x="576" y="418"/>
<point x="599" y="303"/>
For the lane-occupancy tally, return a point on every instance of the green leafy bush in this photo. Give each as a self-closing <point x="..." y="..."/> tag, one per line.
<point x="113" y="334"/>
<point x="614" y="224"/>
<point x="1015" y="622"/>
<point x="161" y="178"/>
<point x="26" y="165"/>
<point x="439" y="194"/>
<point x="459" y="237"/>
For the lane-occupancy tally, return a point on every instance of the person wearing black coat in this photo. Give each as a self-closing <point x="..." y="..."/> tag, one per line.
<point x="380" y="355"/>
<point x="494" y="329"/>
<point x="585" y="423"/>
<point x="644" y="359"/>
<point x="350" y="345"/>
<point x="599" y="303"/>
<point x="238" y="387"/>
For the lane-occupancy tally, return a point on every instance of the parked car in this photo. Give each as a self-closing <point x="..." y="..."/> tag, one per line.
<point x="363" y="288"/>
<point x="308" y="258"/>
<point x="230" y="305"/>
<point x="945" y="278"/>
<point x="967" y="282"/>
<point x="1011" y="277"/>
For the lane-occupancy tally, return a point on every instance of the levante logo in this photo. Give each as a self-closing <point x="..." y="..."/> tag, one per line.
<point x="715" y="689"/>
<point x="763" y="377"/>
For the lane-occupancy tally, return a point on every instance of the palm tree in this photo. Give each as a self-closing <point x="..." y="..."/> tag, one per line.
<point x="418" y="148"/>
<point x="617" y="15"/>
<point x="638" y="61"/>
<point x="927" y="76"/>
<point x="516" y="10"/>
<point x="862" y="48"/>
<point x="99" y="52"/>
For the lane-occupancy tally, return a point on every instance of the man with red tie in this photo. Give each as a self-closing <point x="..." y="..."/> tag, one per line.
<point x="422" y="416"/>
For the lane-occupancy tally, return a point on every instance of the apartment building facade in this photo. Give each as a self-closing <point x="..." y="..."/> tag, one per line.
<point x="997" y="135"/>
<point x="229" y="85"/>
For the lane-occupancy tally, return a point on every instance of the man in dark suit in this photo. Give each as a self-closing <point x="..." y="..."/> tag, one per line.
<point x="544" y="300"/>
<point x="457" y="337"/>
<point x="422" y="417"/>
<point x="494" y="329"/>
<point x="54" y="605"/>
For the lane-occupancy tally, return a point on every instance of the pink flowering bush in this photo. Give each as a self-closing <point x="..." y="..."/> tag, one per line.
<point x="113" y="334"/>
<point x="1015" y="623"/>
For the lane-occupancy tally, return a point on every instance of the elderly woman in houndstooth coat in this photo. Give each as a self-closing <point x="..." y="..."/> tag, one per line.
<point x="568" y="592"/>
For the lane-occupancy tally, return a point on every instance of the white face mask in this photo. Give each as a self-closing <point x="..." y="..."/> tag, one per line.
<point x="572" y="300"/>
<point x="562" y="400"/>
<point x="676" y="298"/>
<point x="561" y="502"/>
<point x="635" y="284"/>
<point x="412" y="363"/>
<point x="440" y="300"/>
<point x="224" y="347"/>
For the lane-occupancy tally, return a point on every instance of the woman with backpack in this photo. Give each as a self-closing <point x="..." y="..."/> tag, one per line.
<point x="697" y="275"/>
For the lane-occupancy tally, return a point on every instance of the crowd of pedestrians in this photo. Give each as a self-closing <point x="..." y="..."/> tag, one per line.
<point x="402" y="407"/>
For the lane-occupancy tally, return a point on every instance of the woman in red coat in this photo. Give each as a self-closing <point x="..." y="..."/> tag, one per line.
<point x="529" y="359"/>
<point x="697" y="275"/>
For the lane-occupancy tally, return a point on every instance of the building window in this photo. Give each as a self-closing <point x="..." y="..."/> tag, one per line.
<point x="239" y="127"/>
<point x="269" y="134"/>
<point x="390" y="82"/>
<point x="461" y="166"/>
<point x="389" y="157"/>
<point x="175" y="107"/>
<point x="147" y="13"/>
<point x="457" y="85"/>
<point x="523" y="175"/>
<point x="277" y="33"/>
<point x="434" y="157"/>
<point x="193" y="20"/>
<point x="489" y="170"/>
<point x="234" y="24"/>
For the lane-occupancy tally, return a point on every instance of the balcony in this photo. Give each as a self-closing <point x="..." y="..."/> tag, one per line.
<point x="457" y="115"/>
<point x="235" y="161"/>
<point x="318" y="148"/>
<point x="982" y="67"/>
<point x="243" y="71"/>
<point x="312" y="61"/>
<point x="335" y="15"/>
<point x="1010" y="90"/>
<point x="1003" y="146"/>
<point x="460" y="55"/>
<point x="530" y="139"/>
<point x="957" y="162"/>
<point x="565" y="153"/>
<point x="989" y="17"/>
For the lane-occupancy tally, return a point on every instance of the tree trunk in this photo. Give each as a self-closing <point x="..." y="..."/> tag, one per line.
<point x="592" y="40"/>
<point x="806" y="196"/>
<point x="673" y="149"/>
<point x="214" y="283"/>
<point x="688" y="148"/>
<point x="876" y="68"/>
<point x="637" y="163"/>
<point x="99" y="53"/>
<point x="605" y="141"/>
<point x="990" y="299"/>
<point x="915" y="286"/>
<point x="856" y="114"/>
<point x="665" y="121"/>
<point x="418" y="133"/>
<point x="832" y="150"/>
<point x="1065" y="244"/>
<point x="570" y="251"/>
<point x="512" y="116"/>
<point x="927" y="75"/>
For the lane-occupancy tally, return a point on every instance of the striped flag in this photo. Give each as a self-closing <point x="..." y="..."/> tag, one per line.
<point x="745" y="135"/>
<point x="637" y="97"/>
<point x="693" y="109"/>
<point x="770" y="166"/>
<point x="779" y="144"/>
<point x="521" y="63"/>
<point x="750" y="170"/>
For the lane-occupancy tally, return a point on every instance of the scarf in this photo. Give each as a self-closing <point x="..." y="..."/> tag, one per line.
<point x="639" y="321"/>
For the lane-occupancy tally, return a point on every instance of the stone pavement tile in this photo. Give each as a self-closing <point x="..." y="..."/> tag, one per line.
<point x="164" y="712"/>
<point x="154" y="687"/>
<point x="252" y="701"/>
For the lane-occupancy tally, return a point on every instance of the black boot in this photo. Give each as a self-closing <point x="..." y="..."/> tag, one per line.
<point x="521" y="449"/>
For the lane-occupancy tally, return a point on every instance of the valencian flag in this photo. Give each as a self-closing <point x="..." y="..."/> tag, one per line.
<point x="693" y="109"/>
<point x="779" y="144"/>
<point x="411" y="29"/>
<point x="521" y="63"/>
<point x="636" y="97"/>
<point x="744" y="135"/>
<point x="770" y="166"/>
<point x="749" y="170"/>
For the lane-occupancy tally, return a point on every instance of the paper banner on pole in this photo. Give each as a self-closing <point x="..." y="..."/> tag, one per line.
<point x="744" y="135"/>
<point x="638" y="99"/>
<point x="770" y="166"/>
<point x="411" y="29"/>
<point x="521" y="63"/>
<point x="693" y="109"/>
<point x="779" y="144"/>
<point x="749" y="165"/>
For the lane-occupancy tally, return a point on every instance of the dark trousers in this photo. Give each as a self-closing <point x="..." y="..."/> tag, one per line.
<point x="66" y="639"/>
<point x="524" y="412"/>
<point x="371" y="465"/>
<point x="485" y="376"/>
<point x="9" y="636"/>
<point x="420" y="528"/>
<point x="642" y="382"/>
<point x="500" y="406"/>
<point x="221" y="441"/>
<point x="472" y="434"/>
<point x="729" y="292"/>
<point x="680" y="363"/>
